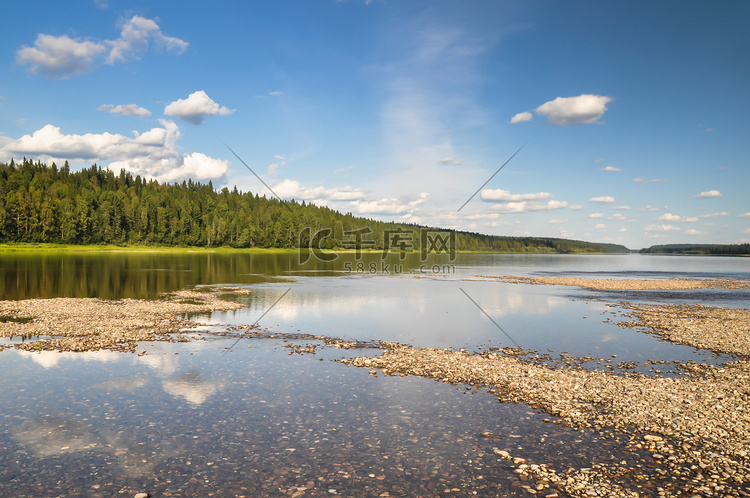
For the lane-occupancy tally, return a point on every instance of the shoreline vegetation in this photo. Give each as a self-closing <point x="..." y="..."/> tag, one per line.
<point x="694" y="429"/>
<point x="41" y="247"/>
<point x="51" y="205"/>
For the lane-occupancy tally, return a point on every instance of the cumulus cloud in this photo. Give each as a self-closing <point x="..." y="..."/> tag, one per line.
<point x="715" y="215"/>
<point x="604" y="199"/>
<point x="450" y="161"/>
<point x="60" y="56"/>
<point x="674" y="217"/>
<point x="387" y="206"/>
<point x="611" y="168"/>
<point x="743" y="215"/>
<point x="648" y="209"/>
<point x="506" y="196"/>
<point x="521" y="117"/>
<point x="583" y="109"/>
<point x="595" y="215"/>
<point x="661" y="228"/>
<point x="620" y="208"/>
<point x="125" y="110"/>
<point x="292" y="189"/>
<point x="654" y="180"/>
<point x="506" y="202"/>
<point x="152" y="154"/>
<point x="195" y="108"/>
<point x="708" y="195"/>
<point x="693" y="231"/>
<point x="63" y="57"/>
<point x="134" y="39"/>
<point x="600" y="226"/>
<point x="518" y="207"/>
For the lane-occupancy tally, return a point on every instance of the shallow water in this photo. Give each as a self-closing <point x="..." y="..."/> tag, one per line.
<point x="196" y="418"/>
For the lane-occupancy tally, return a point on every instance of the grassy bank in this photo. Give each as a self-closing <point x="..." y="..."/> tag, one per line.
<point x="26" y="247"/>
<point x="34" y="247"/>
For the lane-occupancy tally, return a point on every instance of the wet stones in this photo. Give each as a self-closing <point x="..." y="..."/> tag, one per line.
<point x="68" y="324"/>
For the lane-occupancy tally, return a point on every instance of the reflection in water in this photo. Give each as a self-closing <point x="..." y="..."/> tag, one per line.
<point x="49" y="359"/>
<point x="51" y="436"/>
<point x="126" y="384"/>
<point x="191" y="386"/>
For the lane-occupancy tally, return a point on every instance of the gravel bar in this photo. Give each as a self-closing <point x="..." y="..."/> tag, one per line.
<point x="90" y="324"/>
<point x="696" y="427"/>
<point x="626" y="284"/>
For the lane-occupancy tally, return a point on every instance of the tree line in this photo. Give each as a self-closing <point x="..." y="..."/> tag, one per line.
<point x="700" y="249"/>
<point x="51" y="204"/>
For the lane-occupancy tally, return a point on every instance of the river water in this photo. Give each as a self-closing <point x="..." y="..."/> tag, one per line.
<point x="201" y="419"/>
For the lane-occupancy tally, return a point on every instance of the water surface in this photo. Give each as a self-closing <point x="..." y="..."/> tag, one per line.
<point x="195" y="418"/>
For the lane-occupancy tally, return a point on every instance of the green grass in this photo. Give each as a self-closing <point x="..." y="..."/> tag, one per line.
<point x="78" y="248"/>
<point x="27" y="247"/>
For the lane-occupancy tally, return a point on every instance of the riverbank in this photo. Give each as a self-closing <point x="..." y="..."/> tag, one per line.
<point x="90" y="324"/>
<point x="626" y="284"/>
<point x="113" y="248"/>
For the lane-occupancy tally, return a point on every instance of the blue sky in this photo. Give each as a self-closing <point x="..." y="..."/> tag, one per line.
<point x="633" y="116"/>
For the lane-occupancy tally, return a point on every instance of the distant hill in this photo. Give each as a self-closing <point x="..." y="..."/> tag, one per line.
<point x="700" y="249"/>
<point x="40" y="203"/>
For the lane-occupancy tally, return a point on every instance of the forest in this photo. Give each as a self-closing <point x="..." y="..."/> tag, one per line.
<point x="51" y="204"/>
<point x="700" y="249"/>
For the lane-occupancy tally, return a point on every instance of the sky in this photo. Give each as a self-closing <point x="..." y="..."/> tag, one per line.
<point x="629" y="121"/>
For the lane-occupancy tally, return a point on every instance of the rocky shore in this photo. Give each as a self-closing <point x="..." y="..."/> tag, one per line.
<point x="626" y="284"/>
<point x="696" y="427"/>
<point x="68" y="324"/>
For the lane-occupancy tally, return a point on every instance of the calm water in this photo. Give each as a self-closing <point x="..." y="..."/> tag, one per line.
<point x="193" y="419"/>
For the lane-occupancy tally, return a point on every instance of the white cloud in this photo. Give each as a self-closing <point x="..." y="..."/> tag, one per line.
<point x="576" y="207"/>
<point x="134" y="38"/>
<point x="583" y="109"/>
<point x="195" y="108"/>
<point x="648" y="209"/>
<point x="59" y="56"/>
<point x="450" y="161"/>
<point x="387" y="206"/>
<point x="617" y="216"/>
<point x="292" y="189"/>
<point x="655" y="180"/>
<point x="528" y="206"/>
<point x="605" y="199"/>
<point x="521" y="117"/>
<point x="152" y="154"/>
<point x="595" y="215"/>
<point x="661" y="228"/>
<point x="125" y="110"/>
<point x="715" y="215"/>
<point x="505" y="196"/>
<point x="557" y="222"/>
<point x="611" y="168"/>
<point x="63" y="57"/>
<point x="692" y="231"/>
<point x="674" y="217"/>
<point x="600" y="226"/>
<point x="506" y="202"/>
<point x="708" y="195"/>
<point x="743" y="215"/>
<point x="620" y="208"/>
